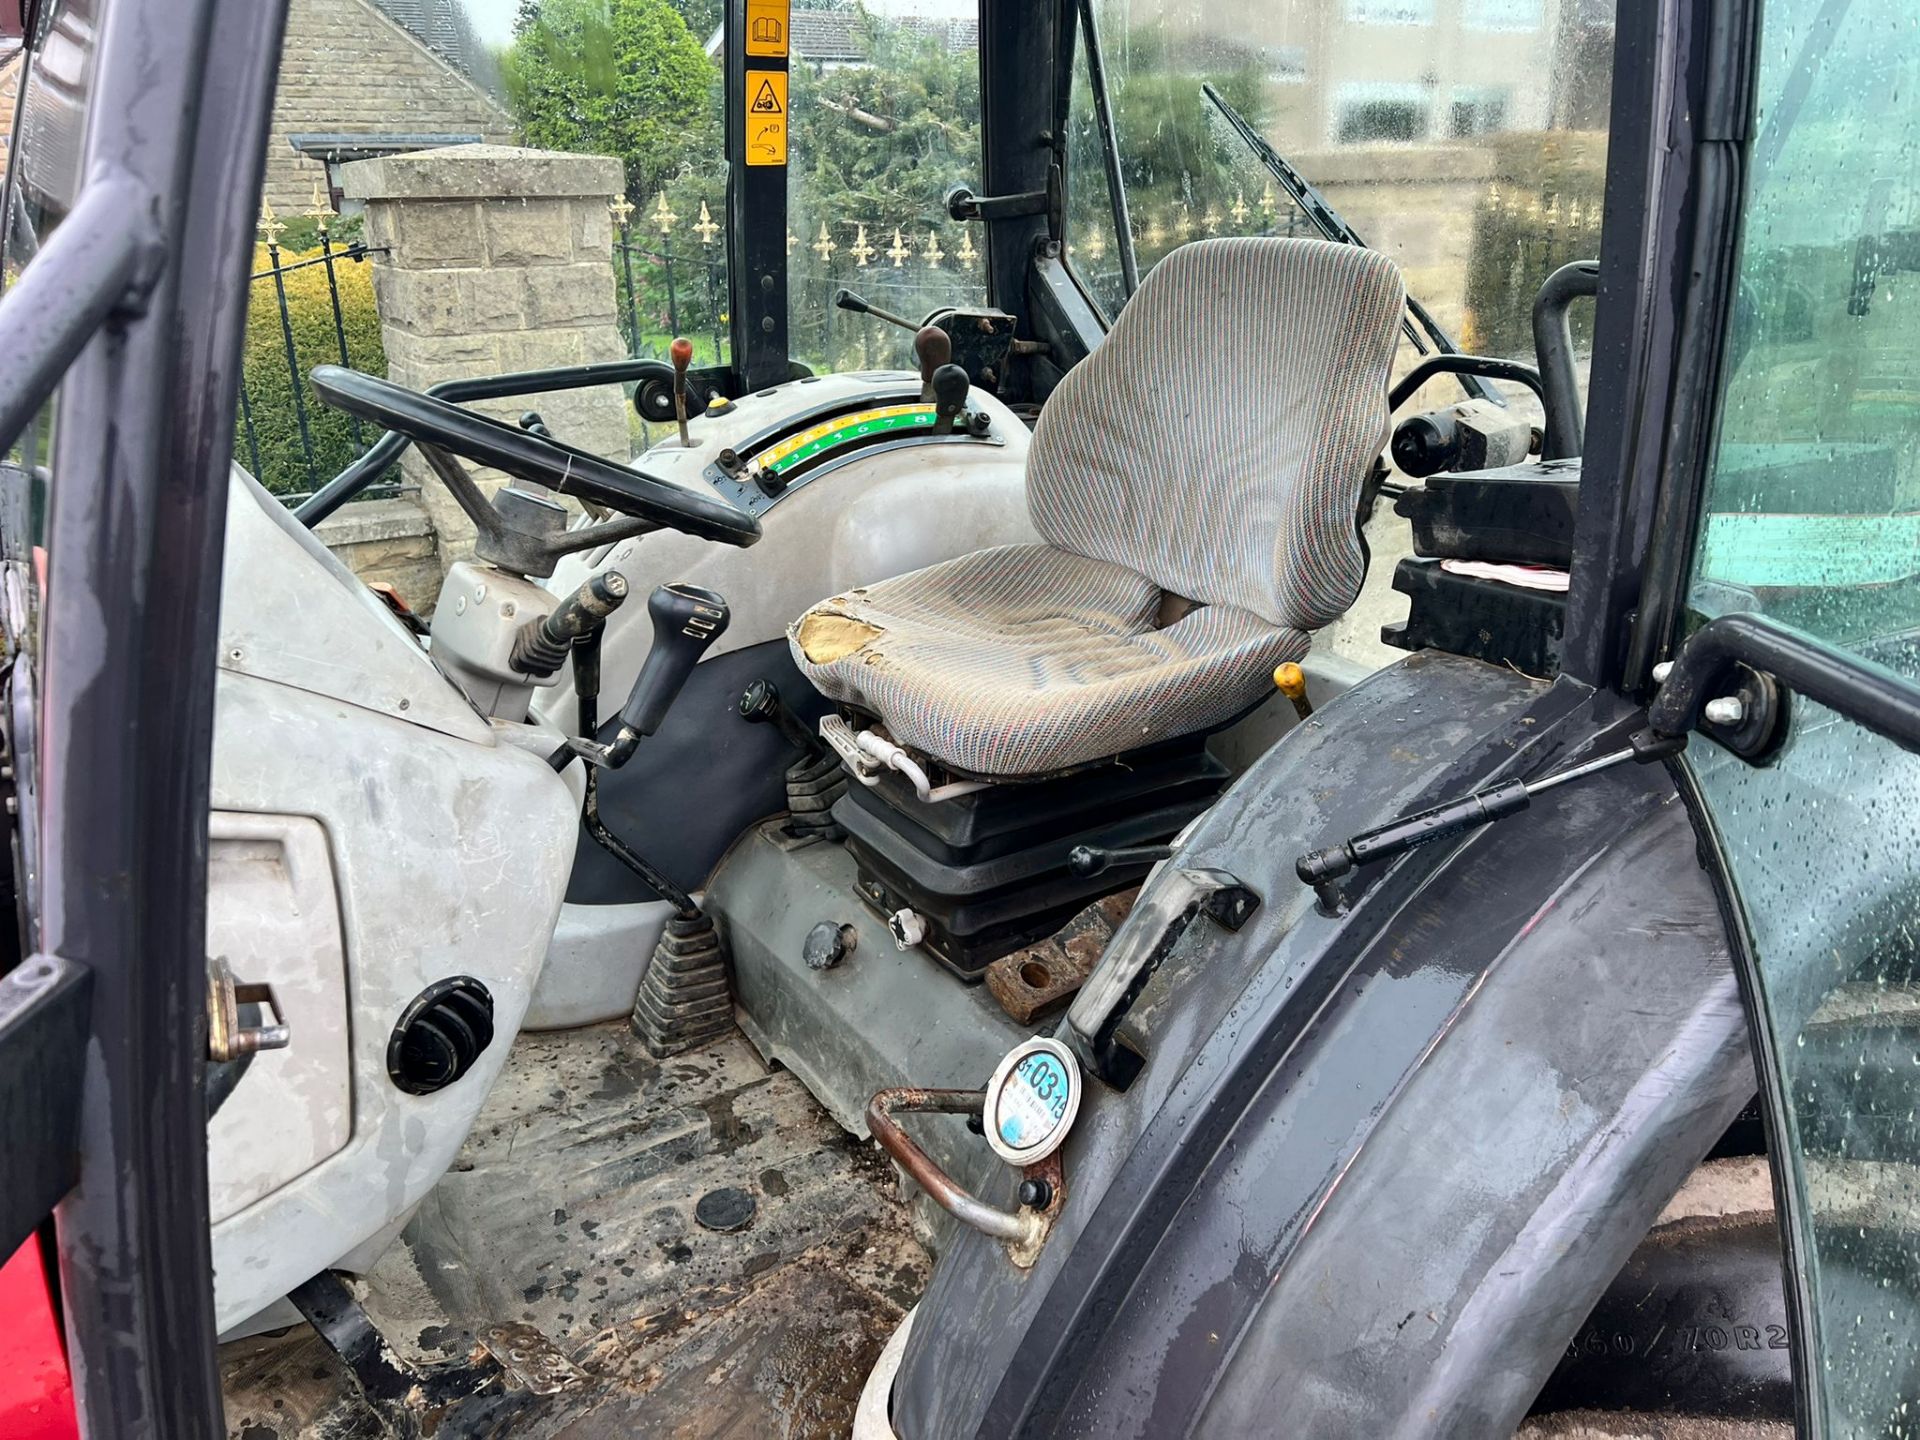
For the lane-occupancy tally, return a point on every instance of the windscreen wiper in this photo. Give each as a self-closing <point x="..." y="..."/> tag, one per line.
<point x="1330" y="223"/>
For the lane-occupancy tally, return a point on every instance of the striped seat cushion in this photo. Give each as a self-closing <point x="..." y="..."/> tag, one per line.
<point x="1029" y="659"/>
<point x="1217" y="440"/>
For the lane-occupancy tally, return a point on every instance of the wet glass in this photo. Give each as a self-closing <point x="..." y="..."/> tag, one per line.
<point x="1466" y="139"/>
<point x="885" y="120"/>
<point x="1813" y="516"/>
<point x="43" y="159"/>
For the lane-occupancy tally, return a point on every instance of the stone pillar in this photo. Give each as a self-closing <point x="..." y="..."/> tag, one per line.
<point x="496" y="259"/>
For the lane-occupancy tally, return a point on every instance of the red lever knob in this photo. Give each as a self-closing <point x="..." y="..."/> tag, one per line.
<point x="681" y="353"/>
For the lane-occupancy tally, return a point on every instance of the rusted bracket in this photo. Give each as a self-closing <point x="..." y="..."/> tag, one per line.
<point x="1023" y="1231"/>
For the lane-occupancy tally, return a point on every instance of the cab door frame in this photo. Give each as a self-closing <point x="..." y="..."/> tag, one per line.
<point x="134" y="309"/>
<point x="1684" y="128"/>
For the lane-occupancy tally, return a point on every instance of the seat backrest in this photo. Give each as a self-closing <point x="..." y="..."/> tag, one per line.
<point x="1217" y="439"/>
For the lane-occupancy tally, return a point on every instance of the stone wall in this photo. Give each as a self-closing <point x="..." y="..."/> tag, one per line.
<point x="388" y="542"/>
<point x="347" y="69"/>
<point x="496" y="259"/>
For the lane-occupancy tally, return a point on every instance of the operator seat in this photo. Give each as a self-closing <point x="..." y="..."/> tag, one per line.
<point x="1196" y="480"/>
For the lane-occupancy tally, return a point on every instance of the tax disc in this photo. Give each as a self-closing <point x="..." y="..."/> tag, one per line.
<point x="1032" y="1100"/>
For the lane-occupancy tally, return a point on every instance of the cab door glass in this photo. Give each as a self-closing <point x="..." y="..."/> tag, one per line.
<point x="1813" y="516"/>
<point x="1466" y="139"/>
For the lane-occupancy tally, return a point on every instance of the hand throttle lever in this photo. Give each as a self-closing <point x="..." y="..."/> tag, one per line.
<point x="858" y="304"/>
<point x="686" y="620"/>
<point x="680" y="352"/>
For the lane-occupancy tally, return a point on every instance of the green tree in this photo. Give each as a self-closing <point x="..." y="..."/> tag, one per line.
<point x="614" y="77"/>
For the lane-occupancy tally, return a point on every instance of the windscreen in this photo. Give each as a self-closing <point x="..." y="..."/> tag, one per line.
<point x="1466" y="139"/>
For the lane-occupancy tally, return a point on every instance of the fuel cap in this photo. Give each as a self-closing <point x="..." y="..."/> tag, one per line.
<point x="1032" y="1100"/>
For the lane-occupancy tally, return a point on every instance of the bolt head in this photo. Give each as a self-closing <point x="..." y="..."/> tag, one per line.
<point x="1727" y="710"/>
<point x="1036" y="1194"/>
<point x="1661" y="671"/>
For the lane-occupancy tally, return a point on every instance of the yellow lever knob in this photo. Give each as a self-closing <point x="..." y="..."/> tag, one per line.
<point x="1291" y="681"/>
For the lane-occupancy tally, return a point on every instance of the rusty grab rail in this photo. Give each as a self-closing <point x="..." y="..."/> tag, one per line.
<point x="1022" y="1230"/>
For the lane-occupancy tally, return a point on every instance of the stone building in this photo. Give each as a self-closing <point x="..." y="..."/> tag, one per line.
<point x="9" y="93"/>
<point x="382" y="73"/>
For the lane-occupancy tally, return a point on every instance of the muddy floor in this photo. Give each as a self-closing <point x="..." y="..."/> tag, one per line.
<point x="572" y="1210"/>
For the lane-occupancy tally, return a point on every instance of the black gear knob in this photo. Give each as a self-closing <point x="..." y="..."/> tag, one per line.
<point x="949" y="386"/>
<point x="686" y="620"/>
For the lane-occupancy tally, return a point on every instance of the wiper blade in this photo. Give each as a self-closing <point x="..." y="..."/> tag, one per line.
<point x="1330" y="223"/>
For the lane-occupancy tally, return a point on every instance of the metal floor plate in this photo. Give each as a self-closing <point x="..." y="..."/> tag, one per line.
<point x="571" y="1209"/>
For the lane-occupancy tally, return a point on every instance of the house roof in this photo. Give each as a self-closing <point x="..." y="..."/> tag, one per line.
<point x="442" y="26"/>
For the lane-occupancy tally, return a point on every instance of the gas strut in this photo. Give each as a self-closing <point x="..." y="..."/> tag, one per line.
<point x="1320" y="867"/>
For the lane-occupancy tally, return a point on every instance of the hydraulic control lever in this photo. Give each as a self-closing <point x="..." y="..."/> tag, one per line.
<point x="1087" y="861"/>
<point x="932" y="348"/>
<point x="681" y="353"/>
<point x="760" y="704"/>
<point x="1319" y="868"/>
<point x="949" y="385"/>
<point x="686" y="620"/>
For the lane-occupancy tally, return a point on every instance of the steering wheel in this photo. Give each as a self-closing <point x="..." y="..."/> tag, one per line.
<point x="524" y="536"/>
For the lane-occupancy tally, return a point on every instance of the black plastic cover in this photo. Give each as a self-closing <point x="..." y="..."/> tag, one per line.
<point x="1478" y="618"/>
<point x="1522" y="514"/>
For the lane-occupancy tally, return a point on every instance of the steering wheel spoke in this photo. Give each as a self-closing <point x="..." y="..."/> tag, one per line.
<point x="444" y="431"/>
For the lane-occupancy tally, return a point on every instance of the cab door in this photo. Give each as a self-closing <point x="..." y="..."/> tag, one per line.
<point x="1811" y="516"/>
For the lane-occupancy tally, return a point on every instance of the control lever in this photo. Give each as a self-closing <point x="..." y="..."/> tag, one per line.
<point x="760" y="703"/>
<point x="686" y="620"/>
<point x="1087" y="861"/>
<point x="681" y="353"/>
<point x="1291" y="681"/>
<point x="1319" y="868"/>
<point x="949" y="385"/>
<point x="541" y="646"/>
<point x="858" y="304"/>
<point x="932" y="347"/>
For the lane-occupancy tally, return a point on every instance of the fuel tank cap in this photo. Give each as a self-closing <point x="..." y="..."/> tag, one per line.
<point x="1032" y="1100"/>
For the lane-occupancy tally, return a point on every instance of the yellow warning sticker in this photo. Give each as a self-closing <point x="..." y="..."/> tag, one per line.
<point x="766" y="117"/>
<point x="768" y="26"/>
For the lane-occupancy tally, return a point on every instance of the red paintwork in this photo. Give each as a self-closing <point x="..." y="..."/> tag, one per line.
<point x="36" y="1396"/>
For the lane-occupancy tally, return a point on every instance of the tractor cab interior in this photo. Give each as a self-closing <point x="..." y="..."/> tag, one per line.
<point x="818" y="715"/>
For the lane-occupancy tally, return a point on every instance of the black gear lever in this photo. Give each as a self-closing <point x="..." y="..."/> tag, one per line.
<point x="686" y="620"/>
<point x="949" y="386"/>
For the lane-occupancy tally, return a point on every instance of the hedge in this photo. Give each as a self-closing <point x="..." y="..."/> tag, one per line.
<point x="274" y="450"/>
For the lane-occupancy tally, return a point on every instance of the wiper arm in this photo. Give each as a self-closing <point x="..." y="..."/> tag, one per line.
<point x="1330" y="223"/>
